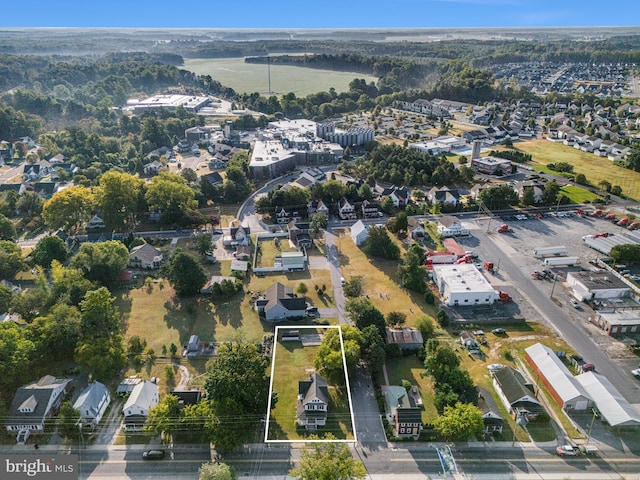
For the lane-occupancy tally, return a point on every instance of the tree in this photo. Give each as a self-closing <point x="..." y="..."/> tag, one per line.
<point x="605" y="185"/>
<point x="528" y="197"/>
<point x="302" y="289"/>
<point x="202" y="244"/>
<point x="395" y="319"/>
<point x="581" y="179"/>
<point x="185" y="273"/>
<point x="328" y="360"/>
<point x="16" y="351"/>
<point x="189" y="175"/>
<point x="363" y="313"/>
<point x="239" y="364"/>
<point x="216" y="471"/>
<point x="398" y="223"/>
<point x="319" y="222"/>
<point x="67" y="208"/>
<point x="7" y="229"/>
<point x="616" y="190"/>
<point x="10" y="259"/>
<point x="372" y="349"/>
<point x="230" y="425"/>
<point x="49" y="249"/>
<point x="56" y="334"/>
<point x="69" y="284"/>
<point x="411" y="272"/>
<point x="379" y="244"/>
<point x="99" y="316"/>
<point x="327" y="461"/>
<point x="68" y="420"/>
<point x="550" y="194"/>
<point x="170" y="195"/>
<point x="104" y="358"/>
<point x="118" y="196"/>
<point x="625" y="254"/>
<point x="163" y="418"/>
<point x="425" y="326"/>
<point x="498" y="198"/>
<point x="459" y="422"/>
<point x="102" y="262"/>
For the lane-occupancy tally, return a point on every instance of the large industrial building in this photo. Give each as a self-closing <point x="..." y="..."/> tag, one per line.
<point x="620" y="321"/>
<point x="491" y="165"/>
<point x="597" y="285"/>
<point x="170" y="102"/>
<point x="288" y="143"/>
<point x="463" y="285"/>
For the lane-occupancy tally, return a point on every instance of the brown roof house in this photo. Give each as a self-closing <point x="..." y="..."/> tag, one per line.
<point x="406" y="338"/>
<point x="279" y="302"/>
<point x="403" y="409"/>
<point x="313" y="401"/>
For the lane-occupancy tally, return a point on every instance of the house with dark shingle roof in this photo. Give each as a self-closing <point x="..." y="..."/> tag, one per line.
<point x="145" y="256"/>
<point x="279" y="302"/>
<point x="313" y="401"/>
<point x="403" y="409"/>
<point x="34" y="402"/>
<point x="491" y="417"/>
<point x="516" y="393"/>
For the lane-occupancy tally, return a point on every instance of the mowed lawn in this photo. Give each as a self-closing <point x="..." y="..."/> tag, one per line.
<point x="380" y="283"/>
<point x="593" y="167"/>
<point x="295" y="362"/>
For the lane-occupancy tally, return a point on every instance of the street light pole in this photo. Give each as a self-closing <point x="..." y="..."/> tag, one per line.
<point x="593" y="419"/>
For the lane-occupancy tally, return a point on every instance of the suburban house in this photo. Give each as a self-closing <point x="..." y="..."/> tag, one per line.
<point x="145" y="256"/>
<point x="443" y="195"/>
<point x="536" y="187"/>
<point x="370" y="209"/>
<point x="300" y="234"/>
<point x="313" y="401"/>
<point x="346" y="210"/>
<point x="451" y="227"/>
<point x="469" y="341"/>
<point x="214" y="178"/>
<point x="282" y="216"/>
<point x="33" y="403"/>
<point x="493" y="421"/>
<point x="317" y="206"/>
<point x="359" y="232"/>
<point x="415" y="228"/>
<point x="400" y="196"/>
<point x="280" y="302"/>
<point x="152" y="168"/>
<point x="403" y="409"/>
<point x="516" y="394"/>
<point x="143" y="398"/>
<point x="95" y="223"/>
<point x="407" y="338"/>
<point x="237" y="236"/>
<point x="92" y="403"/>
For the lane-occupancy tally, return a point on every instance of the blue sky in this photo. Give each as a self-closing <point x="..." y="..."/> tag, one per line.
<point x="318" y="14"/>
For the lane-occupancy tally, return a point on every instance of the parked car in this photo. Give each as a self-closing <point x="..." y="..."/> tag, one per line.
<point x="574" y="303"/>
<point x="636" y="372"/>
<point x="567" y="450"/>
<point x="494" y="367"/>
<point x="155" y="454"/>
<point x="498" y="331"/>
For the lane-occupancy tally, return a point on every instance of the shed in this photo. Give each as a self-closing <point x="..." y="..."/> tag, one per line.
<point x="610" y="402"/>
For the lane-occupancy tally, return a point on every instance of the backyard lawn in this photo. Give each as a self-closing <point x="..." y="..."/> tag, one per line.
<point x="295" y="362"/>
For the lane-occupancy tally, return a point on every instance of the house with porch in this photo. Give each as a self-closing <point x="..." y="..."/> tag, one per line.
<point x="280" y="302"/>
<point x="145" y="256"/>
<point x="403" y="410"/>
<point x="142" y="398"/>
<point x="92" y="403"/>
<point x="313" y="402"/>
<point x="346" y="210"/>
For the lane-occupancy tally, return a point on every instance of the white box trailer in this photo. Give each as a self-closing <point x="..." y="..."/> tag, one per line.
<point x="542" y="251"/>
<point x="561" y="261"/>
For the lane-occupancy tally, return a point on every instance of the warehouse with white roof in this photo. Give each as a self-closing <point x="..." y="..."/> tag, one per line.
<point x="463" y="285"/>
<point x="611" y="404"/>
<point x="564" y="387"/>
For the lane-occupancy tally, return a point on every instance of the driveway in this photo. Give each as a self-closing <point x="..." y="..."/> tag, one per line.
<point x="369" y="429"/>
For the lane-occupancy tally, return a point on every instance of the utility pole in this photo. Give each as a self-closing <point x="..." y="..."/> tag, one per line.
<point x="555" y="279"/>
<point x="593" y="419"/>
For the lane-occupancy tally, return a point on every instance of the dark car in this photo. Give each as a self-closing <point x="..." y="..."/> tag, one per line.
<point x="498" y="331"/>
<point x="156" y="454"/>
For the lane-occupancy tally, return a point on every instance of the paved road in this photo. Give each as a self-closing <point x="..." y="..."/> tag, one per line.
<point x="569" y="327"/>
<point x="336" y="276"/>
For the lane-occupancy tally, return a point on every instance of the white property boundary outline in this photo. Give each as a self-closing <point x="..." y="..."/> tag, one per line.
<point x="346" y="377"/>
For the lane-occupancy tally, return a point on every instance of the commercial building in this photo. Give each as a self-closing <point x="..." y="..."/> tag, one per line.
<point x="170" y="102"/>
<point x="615" y="410"/>
<point x="620" y="321"/>
<point x="463" y="285"/>
<point x="491" y="165"/>
<point x="597" y="285"/>
<point x="564" y="387"/>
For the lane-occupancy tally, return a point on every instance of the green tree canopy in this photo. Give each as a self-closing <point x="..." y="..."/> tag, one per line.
<point x="48" y="249"/>
<point x="163" y="418"/>
<point x="363" y="313"/>
<point x="68" y="208"/>
<point x="216" y="471"/>
<point x="411" y="271"/>
<point x="170" y="195"/>
<point x="56" y="334"/>
<point x="100" y="317"/>
<point x="16" y="351"/>
<point x="10" y="259"/>
<point x="102" y="262"/>
<point x="625" y="254"/>
<point x="379" y="244"/>
<point x="118" y="196"/>
<point x="329" y="361"/>
<point x="459" y="422"/>
<point x="7" y="229"/>
<point x="67" y="422"/>
<point x="104" y="358"/>
<point x="327" y="461"/>
<point x="185" y="273"/>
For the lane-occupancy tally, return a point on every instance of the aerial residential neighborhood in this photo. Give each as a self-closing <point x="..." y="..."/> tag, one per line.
<point x="432" y="282"/>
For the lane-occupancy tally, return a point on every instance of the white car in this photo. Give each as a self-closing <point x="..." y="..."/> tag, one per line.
<point x="494" y="367"/>
<point x="636" y="372"/>
<point x="574" y="303"/>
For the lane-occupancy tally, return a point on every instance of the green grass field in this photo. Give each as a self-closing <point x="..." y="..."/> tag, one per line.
<point x="293" y="363"/>
<point x="579" y="195"/>
<point x="593" y="167"/>
<point x="248" y="77"/>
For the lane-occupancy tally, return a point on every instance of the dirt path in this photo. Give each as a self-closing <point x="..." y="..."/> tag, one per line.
<point x="185" y="377"/>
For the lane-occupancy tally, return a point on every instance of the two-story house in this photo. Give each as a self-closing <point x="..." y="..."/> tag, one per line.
<point x="346" y="210"/>
<point x="313" y="400"/>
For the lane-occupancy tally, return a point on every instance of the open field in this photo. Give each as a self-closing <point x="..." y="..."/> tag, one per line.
<point x="579" y="194"/>
<point x="594" y="168"/>
<point x="249" y="77"/>
<point x="293" y="363"/>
